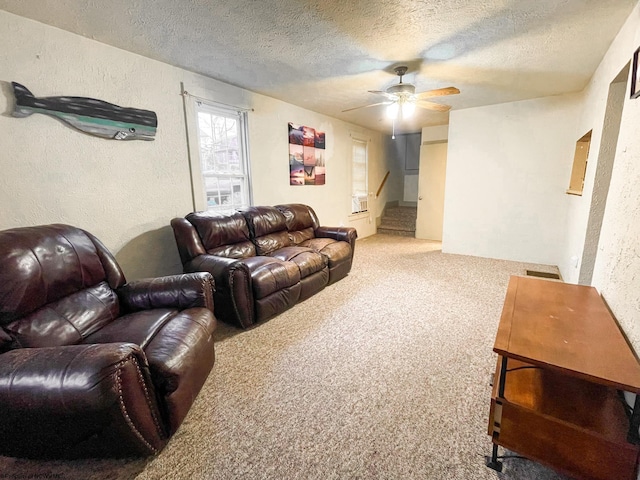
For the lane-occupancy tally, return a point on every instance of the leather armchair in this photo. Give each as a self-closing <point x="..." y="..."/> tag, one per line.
<point x="91" y="365"/>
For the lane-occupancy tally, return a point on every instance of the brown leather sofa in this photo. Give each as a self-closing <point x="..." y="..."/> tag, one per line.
<point x="91" y="365"/>
<point x="263" y="259"/>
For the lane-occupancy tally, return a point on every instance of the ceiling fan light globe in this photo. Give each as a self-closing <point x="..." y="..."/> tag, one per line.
<point x="408" y="109"/>
<point x="392" y="110"/>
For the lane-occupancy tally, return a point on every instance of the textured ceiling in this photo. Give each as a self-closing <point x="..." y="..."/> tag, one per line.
<point x="324" y="55"/>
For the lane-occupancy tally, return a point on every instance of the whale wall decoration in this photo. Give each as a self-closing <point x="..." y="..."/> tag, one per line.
<point x="89" y="115"/>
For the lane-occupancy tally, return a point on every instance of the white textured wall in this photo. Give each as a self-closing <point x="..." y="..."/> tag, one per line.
<point x="604" y="159"/>
<point x="127" y="192"/>
<point x="332" y="201"/>
<point x="410" y="188"/>
<point x="508" y="167"/>
<point x="617" y="270"/>
<point x="593" y="117"/>
<point x="435" y="134"/>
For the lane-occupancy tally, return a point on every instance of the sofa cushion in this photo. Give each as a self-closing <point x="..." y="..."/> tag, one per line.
<point x="298" y="216"/>
<point x="268" y="244"/>
<point x="139" y="327"/>
<point x="268" y="227"/>
<point x="307" y="260"/>
<point x="300" y="236"/>
<point x="335" y="251"/>
<point x="268" y="275"/>
<point x="223" y="235"/>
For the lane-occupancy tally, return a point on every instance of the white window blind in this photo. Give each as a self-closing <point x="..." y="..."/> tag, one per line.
<point x="359" y="176"/>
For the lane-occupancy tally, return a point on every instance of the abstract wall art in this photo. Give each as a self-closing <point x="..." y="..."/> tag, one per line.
<point x="89" y="115"/>
<point x="306" y="156"/>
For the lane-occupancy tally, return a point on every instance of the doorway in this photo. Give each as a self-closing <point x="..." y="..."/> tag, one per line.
<point x="431" y="181"/>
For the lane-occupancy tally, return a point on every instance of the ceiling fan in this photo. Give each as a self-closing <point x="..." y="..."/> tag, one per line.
<point x="402" y="99"/>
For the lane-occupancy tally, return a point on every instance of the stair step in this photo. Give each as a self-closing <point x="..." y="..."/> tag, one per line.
<point x="401" y="212"/>
<point x="400" y="232"/>
<point x="400" y="221"/>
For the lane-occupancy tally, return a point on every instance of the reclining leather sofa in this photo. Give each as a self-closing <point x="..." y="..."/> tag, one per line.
<point x="91" y="365"/>
<point x="264" y="259"/>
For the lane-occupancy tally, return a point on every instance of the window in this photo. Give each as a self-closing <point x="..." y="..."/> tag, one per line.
<point x="223" y="157"/>
<point x="359" y="182"/>
<point x="576" y="184"/>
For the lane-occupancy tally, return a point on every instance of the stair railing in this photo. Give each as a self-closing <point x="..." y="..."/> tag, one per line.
<point x="384" y="180"/>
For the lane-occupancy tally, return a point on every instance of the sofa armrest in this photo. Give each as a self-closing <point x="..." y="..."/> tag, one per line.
<point x="344" y="234"/>
<point x="234" y="300"/>
<point x="218" y="267"/>
<point x="78" y="400"/>
<point x="187" y="239"/>
<point x="182" y="291"/>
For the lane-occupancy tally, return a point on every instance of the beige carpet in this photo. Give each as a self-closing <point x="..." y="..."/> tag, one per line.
<point x="384" y="375"/>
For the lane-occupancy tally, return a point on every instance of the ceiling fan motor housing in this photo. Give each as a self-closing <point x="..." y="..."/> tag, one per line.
<point x="402" y="88"/>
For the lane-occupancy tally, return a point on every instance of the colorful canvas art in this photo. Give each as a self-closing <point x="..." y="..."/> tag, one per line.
<point x="306" y="156"/>
<point x="89" y="115"/>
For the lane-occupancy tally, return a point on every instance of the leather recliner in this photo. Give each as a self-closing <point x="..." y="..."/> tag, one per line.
<point x="91" y="365"/>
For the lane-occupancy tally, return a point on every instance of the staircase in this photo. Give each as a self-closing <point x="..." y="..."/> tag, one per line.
<point x="398" y="221"/>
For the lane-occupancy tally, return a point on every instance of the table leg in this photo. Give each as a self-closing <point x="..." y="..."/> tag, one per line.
<point x="493" y="462"/>
<point x="503" y="374"/>
<point x="633" y="436"/>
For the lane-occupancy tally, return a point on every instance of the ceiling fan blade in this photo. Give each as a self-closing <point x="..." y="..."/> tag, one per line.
<point x="390" y="96"/>
<point x="365" y="106"/>
<point x="433" y="106"/>
<point x="439" y="92"/>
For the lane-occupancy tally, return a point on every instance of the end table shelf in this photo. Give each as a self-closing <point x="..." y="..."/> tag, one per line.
<point x="562" y="364"/>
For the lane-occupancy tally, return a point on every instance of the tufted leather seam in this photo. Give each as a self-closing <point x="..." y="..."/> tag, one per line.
<point x="46" y="288"/>
<point x="66" y="320"/>
<point x="77" y="256"/>
<point x="113" y="317"/>
<point x="123" y="407"/>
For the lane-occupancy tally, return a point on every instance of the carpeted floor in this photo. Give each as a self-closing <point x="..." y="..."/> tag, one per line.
<point x="384" y="375"/>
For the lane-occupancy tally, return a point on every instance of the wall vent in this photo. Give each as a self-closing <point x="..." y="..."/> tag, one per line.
<point x="534" y="273"/>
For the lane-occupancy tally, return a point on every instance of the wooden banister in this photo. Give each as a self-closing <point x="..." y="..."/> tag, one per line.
<point x="384" y="180"/>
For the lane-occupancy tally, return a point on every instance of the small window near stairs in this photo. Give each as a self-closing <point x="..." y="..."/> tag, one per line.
<point x="359" y="184"/>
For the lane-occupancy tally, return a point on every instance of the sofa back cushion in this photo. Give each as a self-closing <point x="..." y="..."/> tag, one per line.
<point x="57" y="285"/>
<point x="301" y="221"/>
<point x="223" y="235"/>
<point x="268" y="229"/>
<point x="67" y="321"/>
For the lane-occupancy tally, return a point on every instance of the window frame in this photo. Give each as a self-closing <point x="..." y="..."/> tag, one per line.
<point x="359" y="198"/>
<point x="193" y="106"/>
